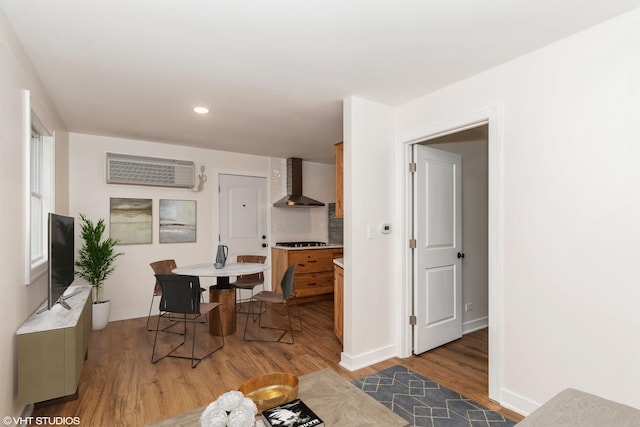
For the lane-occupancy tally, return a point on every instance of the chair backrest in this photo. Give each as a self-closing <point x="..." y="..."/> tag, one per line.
<point x="162" y="267"/>
<point x="256" y="277"/>
<point x="180" y="293"/>
<point x="287" y="281"/>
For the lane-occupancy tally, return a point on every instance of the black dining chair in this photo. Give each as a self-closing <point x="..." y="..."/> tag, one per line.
<point x="164" y="266"/>
<point x="181" y="297"/>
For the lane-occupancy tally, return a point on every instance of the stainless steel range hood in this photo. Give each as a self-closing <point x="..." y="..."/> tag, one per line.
<point x="294" y="197"/>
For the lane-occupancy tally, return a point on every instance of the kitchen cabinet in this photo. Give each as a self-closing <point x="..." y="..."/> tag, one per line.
<point x="338" y="302"/>
<point x="339" y="180"/>
<point x="313" y="279"/>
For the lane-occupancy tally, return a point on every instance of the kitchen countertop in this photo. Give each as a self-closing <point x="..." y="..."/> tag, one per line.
<point x="304" y="248"/>
<point x="339" y="262"/>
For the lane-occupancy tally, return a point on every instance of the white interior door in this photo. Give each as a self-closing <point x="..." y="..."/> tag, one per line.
<point x="437" y="295"/>
<point x="243" y="215"/>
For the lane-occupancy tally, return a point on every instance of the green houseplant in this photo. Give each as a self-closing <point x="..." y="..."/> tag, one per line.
<point x="95" y="263"/>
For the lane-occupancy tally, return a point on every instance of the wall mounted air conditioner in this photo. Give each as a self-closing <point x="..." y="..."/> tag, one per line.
<point x="139" y="170"/>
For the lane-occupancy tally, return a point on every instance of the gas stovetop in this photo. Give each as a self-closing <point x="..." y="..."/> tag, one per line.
<point x="300" y="244"/>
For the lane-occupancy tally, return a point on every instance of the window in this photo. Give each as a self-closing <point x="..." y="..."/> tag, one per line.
<point x="39" y="148"/>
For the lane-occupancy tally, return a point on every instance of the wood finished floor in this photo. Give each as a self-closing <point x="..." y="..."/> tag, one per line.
<point x="119" y="385"/>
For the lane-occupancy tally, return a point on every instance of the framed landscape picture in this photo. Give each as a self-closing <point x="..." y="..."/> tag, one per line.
<point x="177" y="221"/>
<point x="131" y="220"/>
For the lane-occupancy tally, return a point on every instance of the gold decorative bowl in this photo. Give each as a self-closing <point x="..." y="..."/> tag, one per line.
<point x="271" y="390"/>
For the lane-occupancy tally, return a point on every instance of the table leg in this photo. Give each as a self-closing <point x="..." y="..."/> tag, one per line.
<point x="227" y="299"/>
<point x="222" y="281"/>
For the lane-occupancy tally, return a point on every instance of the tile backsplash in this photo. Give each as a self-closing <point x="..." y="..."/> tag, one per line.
<point x="294" y="224"/>
<point x="336" y="234"/>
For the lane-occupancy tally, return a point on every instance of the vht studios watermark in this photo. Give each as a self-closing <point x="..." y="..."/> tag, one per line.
<point x="41" y="421"/>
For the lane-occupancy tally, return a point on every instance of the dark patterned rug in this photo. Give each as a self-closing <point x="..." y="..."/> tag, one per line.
<point x="423" y="402"/>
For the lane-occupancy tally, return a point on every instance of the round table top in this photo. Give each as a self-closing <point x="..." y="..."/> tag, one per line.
<point x="230" y="269"/>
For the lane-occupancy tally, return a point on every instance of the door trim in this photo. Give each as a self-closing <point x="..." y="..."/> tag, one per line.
<point x="493" y="117"/>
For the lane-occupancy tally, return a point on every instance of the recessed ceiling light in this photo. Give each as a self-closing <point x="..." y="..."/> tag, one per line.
<point x="201" y="110"/>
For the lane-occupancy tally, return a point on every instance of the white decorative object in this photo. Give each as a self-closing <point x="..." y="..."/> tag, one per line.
<point x="100" y="315"/>
<point x="231" y="409"/>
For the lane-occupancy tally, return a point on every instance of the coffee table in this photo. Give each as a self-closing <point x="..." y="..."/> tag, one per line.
<point x="330" y="396"/>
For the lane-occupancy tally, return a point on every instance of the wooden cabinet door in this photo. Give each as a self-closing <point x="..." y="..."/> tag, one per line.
<point x="338" y="303"/>
<point x="339" y="180"/>
<point x="312" y="284"/>
<point x="311" y="261"/>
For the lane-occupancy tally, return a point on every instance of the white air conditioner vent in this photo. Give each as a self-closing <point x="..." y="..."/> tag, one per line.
<point x="139" y="170"/>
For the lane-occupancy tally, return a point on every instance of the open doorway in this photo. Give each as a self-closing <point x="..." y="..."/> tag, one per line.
<point x="470" y="147"/>
<point x="450" y="228"/>
<point x="492" y="118"/>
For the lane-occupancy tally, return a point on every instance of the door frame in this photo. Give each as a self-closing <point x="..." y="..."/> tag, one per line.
<point x="493" y="118"/>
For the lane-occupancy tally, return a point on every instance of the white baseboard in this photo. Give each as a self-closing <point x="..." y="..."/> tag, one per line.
<point x="128" y="314"/>
<point x="475" y="325"/>
<point x="360" y="361"/>
<point x="517" y="403"/>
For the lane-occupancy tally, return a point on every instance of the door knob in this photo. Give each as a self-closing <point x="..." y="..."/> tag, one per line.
<point x="264" y="245"/>
<point x="460" y="255"/>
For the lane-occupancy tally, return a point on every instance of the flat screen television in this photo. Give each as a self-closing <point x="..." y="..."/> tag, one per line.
<point x="61" y="258"/>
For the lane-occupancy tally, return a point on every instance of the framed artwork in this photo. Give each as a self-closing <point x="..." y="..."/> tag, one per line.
<point x="131" y="221"/>
<point x="177" y="221"/>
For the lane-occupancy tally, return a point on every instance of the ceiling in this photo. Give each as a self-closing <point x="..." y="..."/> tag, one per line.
<point x="272" y="73"/>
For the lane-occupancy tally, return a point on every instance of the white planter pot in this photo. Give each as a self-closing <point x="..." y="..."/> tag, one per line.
<point x="101" y="313"/>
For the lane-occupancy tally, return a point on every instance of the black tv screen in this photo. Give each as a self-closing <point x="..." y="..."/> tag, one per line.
<point x="61" y="256"/>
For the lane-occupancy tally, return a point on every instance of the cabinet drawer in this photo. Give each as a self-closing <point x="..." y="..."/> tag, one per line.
<point x="313" y="283"/>
<point x="311" y="260"/>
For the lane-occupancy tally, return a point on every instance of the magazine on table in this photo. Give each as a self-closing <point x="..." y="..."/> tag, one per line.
<point x="292" y="414"/>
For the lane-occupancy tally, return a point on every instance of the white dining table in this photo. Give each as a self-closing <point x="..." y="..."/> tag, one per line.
<point x="222" y="275"/>
<point x="223" y="292"/>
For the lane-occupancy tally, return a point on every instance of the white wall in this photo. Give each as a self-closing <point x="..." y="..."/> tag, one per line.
<point x="571" y="208"/>
<point x="130" y="287"/>
<point x="19" y="301"/>
<point x="369" y="288"/>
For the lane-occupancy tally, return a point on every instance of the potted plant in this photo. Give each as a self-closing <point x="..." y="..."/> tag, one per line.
<point x="95" y="264"/>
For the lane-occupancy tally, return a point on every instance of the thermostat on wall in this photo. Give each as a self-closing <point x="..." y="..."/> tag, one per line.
<point x="385" y="228"/>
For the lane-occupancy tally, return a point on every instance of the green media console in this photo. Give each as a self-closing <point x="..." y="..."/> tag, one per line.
<point x="52" y="346"/>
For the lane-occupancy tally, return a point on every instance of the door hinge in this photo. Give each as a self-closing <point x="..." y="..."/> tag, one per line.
<point x="413" y="321"/>
<point x="413" y="243"/>
<point x="412" y="167"/>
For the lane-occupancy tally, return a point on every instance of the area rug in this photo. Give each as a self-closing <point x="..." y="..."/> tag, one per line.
<point x="423" y="402"/>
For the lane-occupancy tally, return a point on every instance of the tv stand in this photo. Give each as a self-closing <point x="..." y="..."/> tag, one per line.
<point x="52" y="346"/>
<point x="62" y="300"/>
<point x="63" y="303"/>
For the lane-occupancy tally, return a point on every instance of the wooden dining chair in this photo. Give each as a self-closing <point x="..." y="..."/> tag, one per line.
<point x="248" y="282"/>
<point x="286" y="297"/>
